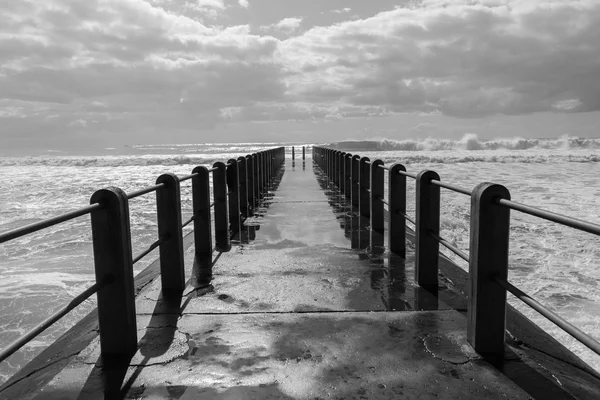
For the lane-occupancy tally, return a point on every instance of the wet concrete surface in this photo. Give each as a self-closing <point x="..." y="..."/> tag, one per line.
<point x="307" y="305"/>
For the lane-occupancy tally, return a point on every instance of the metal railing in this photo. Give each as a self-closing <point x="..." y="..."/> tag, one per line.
<point x="237" y="187"/>
<point x="361" y="181"/>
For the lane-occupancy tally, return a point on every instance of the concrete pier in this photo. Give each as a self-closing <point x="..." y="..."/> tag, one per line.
<point x="309" y="305"/>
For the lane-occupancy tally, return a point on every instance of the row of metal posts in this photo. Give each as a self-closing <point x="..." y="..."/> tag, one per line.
<point x="238" y="187"/>
<point x="303" y="153"/>
<point x="362" y="181"/>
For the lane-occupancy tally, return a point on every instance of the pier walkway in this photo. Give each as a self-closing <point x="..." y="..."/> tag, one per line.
<point x="303" y="308"/>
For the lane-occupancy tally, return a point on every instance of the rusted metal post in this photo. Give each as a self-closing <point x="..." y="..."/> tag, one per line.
<point x="111" y="237"/>
<point x="168" y="210"/>
<point x="221" y="207"/>
<point x="377" y="182"/>
<point x="250" y="186"/>
<point x="243" y="186"/>
<point x="202" y="270"/>
<point x="364" y="200"/>
<point x="233" y="186"/>
<point x="397" y="207"/>
<point x="427" y="222"/>
<point x="490" y="227"/>
<point x="355" y="179"/>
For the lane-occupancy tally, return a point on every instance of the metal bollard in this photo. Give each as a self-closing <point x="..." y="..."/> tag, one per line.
<point x="397" y="207"/>
<point x="168" y="210"/>
<point x="243" y="187"/>
<point x="364" y="200"/>
<point x="427" y="222"/>
<point x="251" y="185"/>
<point x="221" y="207"/>
<point x="355" y="180"/>
<point x="202" y="270"/>
<point x="234" y="197"/>
<point x="111" y="237"/>
<point x="376" y="210"/>
<point x="490" y="226"/>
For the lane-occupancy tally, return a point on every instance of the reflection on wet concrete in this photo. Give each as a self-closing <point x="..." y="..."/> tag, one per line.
<point x="391" y="275"/>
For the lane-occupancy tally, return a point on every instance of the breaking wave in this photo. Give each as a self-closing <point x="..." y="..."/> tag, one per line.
<point x="113" y="161"/>
<point x="469" y="141"/>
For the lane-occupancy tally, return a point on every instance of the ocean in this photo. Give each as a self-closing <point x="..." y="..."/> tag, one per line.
<point x="558" y="266"/>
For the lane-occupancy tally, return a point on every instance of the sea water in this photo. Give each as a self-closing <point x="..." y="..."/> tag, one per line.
<point x="556" y="265"/>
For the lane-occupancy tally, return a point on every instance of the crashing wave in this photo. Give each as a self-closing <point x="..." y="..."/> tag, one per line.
<point x="469" y="141"/>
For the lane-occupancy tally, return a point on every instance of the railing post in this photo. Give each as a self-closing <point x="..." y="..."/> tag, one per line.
<point x="376" y="211"/>
<point x="256" y="165"/>
<point x="168" y="210"/>
<point x="111" y="236"/>
<point x="364" y="201"/>
<point x="490" y="226"/>
<point x="341" y="174"/>
<point x="221" y="207"/>
<point x="243" y="186"/>
<point x="397" y="206"/>
<point x="234" y="196"/>
<point x="250" y="186"/>
<point x="355" y="179"/>
<point x="427" y="222"/>
<point x="261" y="174"/>
<point x="348" y="175"/>
<point x="202" y="270"/>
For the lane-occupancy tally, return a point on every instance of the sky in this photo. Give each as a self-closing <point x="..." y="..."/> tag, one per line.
<point x="77" y="74"/>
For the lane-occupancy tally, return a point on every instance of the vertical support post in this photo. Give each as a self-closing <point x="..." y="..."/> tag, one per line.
<point x="234" y="197"/>
<point x="243" y="187"/>
<point x="261" y="171"/>
<point x="202" y="270"/>
<point x="397" y="207"/>
<point x="111" y="236"/>
<point x="427" y="221"/>
<point x="221" y="207"/>
<point x="338" y="167"/>
<point x="256" y="165"/>
<point x="348" y="175"/>
<point x="377" y="182"/>
<point x="250" y="186"/>
<point x="303" y="153"/>
<point x="490" y="227"/>
<point x="168" y="210"/>
<point x="355" y="179"/>
<point x="364" y="200"/>
<point x="293" y="153"/>
<point x="341" y="177"/>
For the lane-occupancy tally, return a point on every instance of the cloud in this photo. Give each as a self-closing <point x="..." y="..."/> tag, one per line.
<point x="137" y="66"/>
<point x="286" y="25"/>
<point x="243" y="3"/>
<point x="465" y="59"/>
<point x="342" y="10"/>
